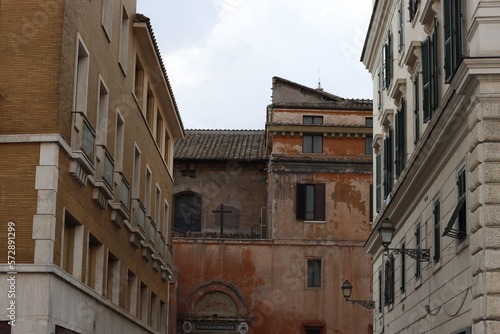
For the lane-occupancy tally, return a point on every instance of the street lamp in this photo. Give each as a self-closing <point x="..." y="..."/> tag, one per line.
<point x="346" y="292"/>
<point x="386" y="232"/>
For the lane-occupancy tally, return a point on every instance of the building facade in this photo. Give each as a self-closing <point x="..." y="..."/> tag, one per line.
<point x="86" y="134"/>
<point x="436" y="141"/>
<point x="296" y="203"/>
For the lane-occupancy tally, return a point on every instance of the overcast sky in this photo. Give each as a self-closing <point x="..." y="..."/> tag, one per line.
<point x="221" y="55"/>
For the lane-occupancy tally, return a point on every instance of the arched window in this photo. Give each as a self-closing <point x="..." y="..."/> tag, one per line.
<point x="187" y="214"/>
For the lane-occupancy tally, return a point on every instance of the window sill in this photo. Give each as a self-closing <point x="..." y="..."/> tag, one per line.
<point x="315" y="221"/>
<point x="437" y="266"/>
<point x="462" y="245"/>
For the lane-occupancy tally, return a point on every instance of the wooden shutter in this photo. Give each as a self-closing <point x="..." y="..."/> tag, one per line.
<point x="448" y="45"/>
<point x="300" y="206"/>
<point x="388" y="161"/>
<point x="400" y="138"/>
<point x="378" y="180"/>
<point x="416" y="104"/>
<point x="388" y="61"/>
<point x="400" y="27"/>
<point x="426" y="78"/>
<point x="435" y="69"/>
<point x="379" y="91"/>
<point x="458" y="33"/>
<point x="319" y="201"/>
<point x="437" y="231"/>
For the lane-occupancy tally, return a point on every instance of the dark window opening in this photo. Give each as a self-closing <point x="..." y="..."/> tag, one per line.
<point x="314" y="273"/>
<point x="187" y="213"/>
<point x="312" y="144"/>
<point x="310" y="202"/>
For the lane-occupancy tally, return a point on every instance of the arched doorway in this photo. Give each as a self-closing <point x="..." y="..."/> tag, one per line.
<point x="215" y="308"/>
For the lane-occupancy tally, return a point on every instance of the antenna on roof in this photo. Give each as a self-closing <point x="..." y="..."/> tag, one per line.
<point x="319" y="81"/>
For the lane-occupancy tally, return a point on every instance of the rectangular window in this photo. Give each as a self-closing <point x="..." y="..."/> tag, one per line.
<point x="312" y="143"/>
<point x="139" y="82"/>
<point x="119" y="141"/>
<point x="437" y="231"/>
<point x="388" y="161"/>
<point x="163" y="317"/>
<point x="462" y="214"/>
<point x="150" y="105"/>
<point x="136" y="181"/>
<point x="59" y="330"/>
<point x="95" y="264"/>
<point x="416" y="111"/>
<point x="102" y="114"/>
<point x="400" y="146"/>
<point x="389" y="281"/>
<point x="452" y="37"/>
<point x="124" y="36"/>
<point x="107" y="16"/>
<point x="380" y="291"/>
<point x="313" y="120"/>
<point x="400" y="27"/>
<point x="314" y="273"/>
<point x="68" y="255"/>
<point x="403" y="270"/>
<point x="378" y="182"/>
<point x="310" y="202"/>
<point x="387" y="62"/>
<point x="165" y="226"/>
<point x="153" y="317"/>
<point x="412" y="9"/>
<point x="144" y="303"/>
<point x="131" y="301"/>
<point x="417" y="246"/>
<point x="368" y="145"/>
<point x="113" y="278"/>
<point x="430" y="78"/>
<point x="313" y="330"/>
<point x="159" y="129"/>
<point x="5" y="327"/>
<point x="147" y="191"/>
<point x="81" y="77"/>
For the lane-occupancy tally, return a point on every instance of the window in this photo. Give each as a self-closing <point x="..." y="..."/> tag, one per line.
<point x="163" y="316"/>
<point x="400" y="27"/>
<point x="159" y="129"/>
<point x="313" y="120"/>
<point x="387" y="62"/>
<point x="310" y="202"/>
<point x="400" y="120"/>
<point x="312" y="143"/>
<point x="416" y="111"/>
<point x="131" y="301"/>
<point x="466" y="330"/>
<point x="437" y="231"/>
<point x="119" y="141"/>
<point x="95" y="264"/>
<point x="5" y="327"/>
<point x="107" y="16"/>
<point x="314" y="273"/>
<point x="150" y="104"/>
<point x="417" y="247"/>
<point x="167" y="148"/>
<point x="187" y="213"/>
<point x="378" y="182"/>
<point x="144" y="303"/>
<point x="123" y="57"/>
<point x="452" y="37"/>
<point x="102" y="114"/>
<point x="389" y="281"/>
<point x="412" y="8"/>
<point x="403" y="270"/>
<point x="166" y="213"/>
<point x="153" y="317"/>
<point x="147" y="191"/>
<point x="139" y="82"/>
<point x="71" y="225"/>
<point x="430" y="81"/>
<point x="113" y="278"/>
<point x="460" y="212"/>
<point x="136" y="181"/>
<point x="368" y="145"/>
<point x="313" y="329"/>
<point x="368" y="121"/>
<point x="388" y="175"/>
<point x="379" y="90"/>
<point x="81" y="77"/>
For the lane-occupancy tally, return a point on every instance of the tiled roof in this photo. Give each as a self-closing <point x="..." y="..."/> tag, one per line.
<point x="143" y="18"/>
<point x="221" y="145"/>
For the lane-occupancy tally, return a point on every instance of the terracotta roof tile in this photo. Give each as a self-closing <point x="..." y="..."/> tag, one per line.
<point x="221" y="145"/>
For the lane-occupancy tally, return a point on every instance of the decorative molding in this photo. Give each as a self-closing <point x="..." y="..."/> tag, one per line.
<point x="413" y="56"/>
<point x="398" y="90"/>
<point x="429" y="12"/>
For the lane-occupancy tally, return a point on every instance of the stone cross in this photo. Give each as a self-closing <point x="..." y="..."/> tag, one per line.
<point x="222" y="212"/>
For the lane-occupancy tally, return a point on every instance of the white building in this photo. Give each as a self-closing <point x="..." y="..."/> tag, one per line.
<point x="436" y="73"/>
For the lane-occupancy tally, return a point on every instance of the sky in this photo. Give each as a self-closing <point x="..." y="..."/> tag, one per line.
<point x="221" y="55"/>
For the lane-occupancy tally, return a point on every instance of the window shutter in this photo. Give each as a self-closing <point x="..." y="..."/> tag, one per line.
<point x="458" y="32"/>
<point x="400" y="27"/>
<point x="378" y="180"/>
<point x="379" y="91"/>
<point x="388" y="161"/>
<point x="435" y="69"/>
<point x="416" y="88"/>
<point x="403" y="270"/>
<point x="437" y="231"/>
<point x="400" y="138"/>
<point x="300" y="206"/>
<point x="388" y="57"/>
<point x="448" y="45"/>
<point x="426" y="82"/>
<point x="319" y="201"/>
<point x="397" y="143"/>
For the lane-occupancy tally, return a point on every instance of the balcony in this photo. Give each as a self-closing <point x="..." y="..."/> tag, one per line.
<point x="82" y="141"/>
<point x="149" y="245"/>
<point x="137" y="226"/>
<point x="120" y="208"/>
<point x="103" y="191"/>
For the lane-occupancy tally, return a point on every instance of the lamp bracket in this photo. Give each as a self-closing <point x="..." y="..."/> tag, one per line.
<point x="421" y="255"/>
<point x="369" y="304"/>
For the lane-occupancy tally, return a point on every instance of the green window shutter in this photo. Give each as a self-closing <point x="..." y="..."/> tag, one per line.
<point x="400" y="27"/>
<point x="378" y="182"/>
<point x="448" y="45"/>
<point x="388" y="161"/>
<point x="426" y="78"/>
<point x="435" y="69"/>
<point x="437" y="231"/>
<point x="379" y="91"/>
<point x="400" y="138"/>
<point x="458" y="33"/>
<point x="416" y="104"/>
<point x="397" y="142"/>
<point x="300" y="207"/>
<point x="389" y="59"/>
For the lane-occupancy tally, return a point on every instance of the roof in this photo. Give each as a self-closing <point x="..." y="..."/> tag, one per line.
<point x="142" y="18"/>
<point x="221" y="145"/>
